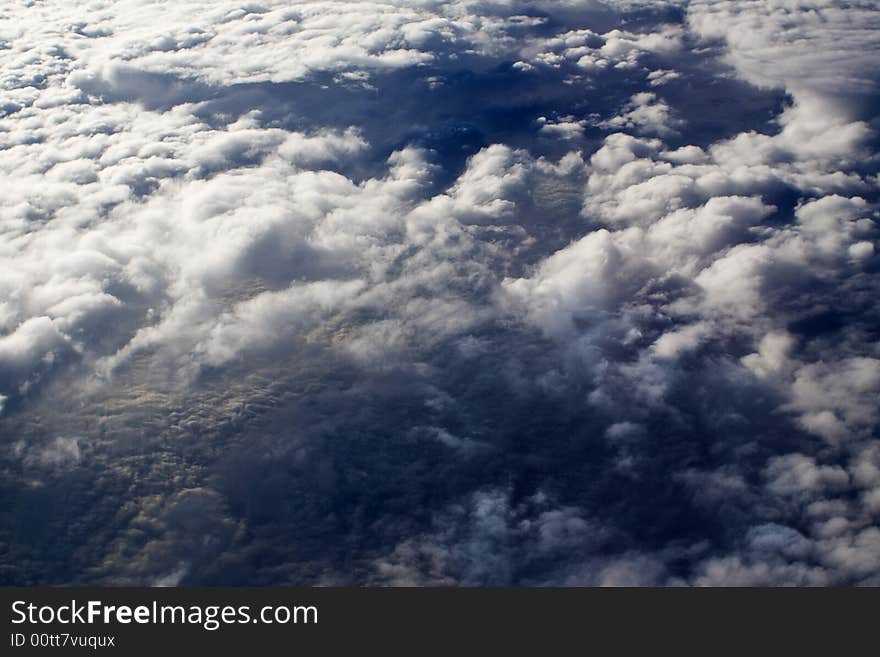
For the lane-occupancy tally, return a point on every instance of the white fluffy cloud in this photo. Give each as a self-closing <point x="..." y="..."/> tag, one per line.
<point x="822" y="53"/>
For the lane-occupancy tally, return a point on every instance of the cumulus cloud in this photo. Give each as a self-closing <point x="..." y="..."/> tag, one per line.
<point x="645" y="114"/>
<point x="440" y="293"/>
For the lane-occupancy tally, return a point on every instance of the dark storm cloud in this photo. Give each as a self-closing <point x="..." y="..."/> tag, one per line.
<point x="440" y="293"/>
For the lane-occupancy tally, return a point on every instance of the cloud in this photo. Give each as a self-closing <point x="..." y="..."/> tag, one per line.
<point x="776" y="44"/>
<point x="645" y="114"/>
<point x="61" y="452"/>
<point x="439" y="293"/>
<point x="483" y="541"/>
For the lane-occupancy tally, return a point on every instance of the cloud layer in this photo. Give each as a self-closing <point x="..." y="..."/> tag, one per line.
<point x="440" y="293"/>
